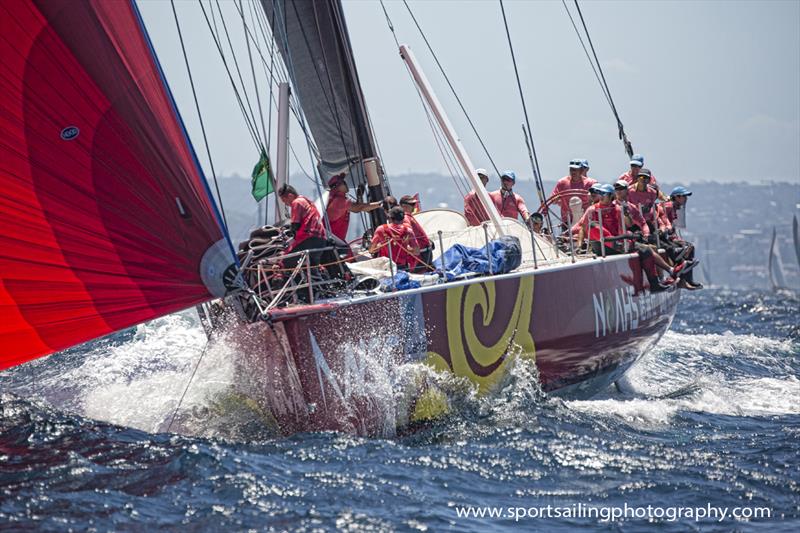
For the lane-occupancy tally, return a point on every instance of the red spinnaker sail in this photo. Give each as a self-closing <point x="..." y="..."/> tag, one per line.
<point x="104" y="212"/>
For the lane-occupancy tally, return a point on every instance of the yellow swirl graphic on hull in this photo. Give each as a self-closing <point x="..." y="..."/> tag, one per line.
<point x="483" y="364"/>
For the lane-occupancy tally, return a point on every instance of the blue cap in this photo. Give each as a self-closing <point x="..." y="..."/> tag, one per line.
<point x="638" y="160"/>
<point x="605" y="188"/>
<point x="510" y="174"/>
<point x="584" y="163"/>
<point x="680" y="191"/>
<point x="575" y="163"/>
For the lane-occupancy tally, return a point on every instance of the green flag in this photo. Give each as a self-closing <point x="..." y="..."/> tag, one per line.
<point x="262" y="178"/>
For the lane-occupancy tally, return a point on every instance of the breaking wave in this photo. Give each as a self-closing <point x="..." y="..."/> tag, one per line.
<point x="723" y="374"/>
<point x="136" y="378"/>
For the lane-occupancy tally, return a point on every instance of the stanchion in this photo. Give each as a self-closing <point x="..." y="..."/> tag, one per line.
<point x="602" y="239"/>
<point x="441" y="249"/>
<point x="307" y="258"/>
<point x="391" y="266"/>
<point x="624" y="229"/>
<point x="569" y="236"/>
<point x="488" y="254"/>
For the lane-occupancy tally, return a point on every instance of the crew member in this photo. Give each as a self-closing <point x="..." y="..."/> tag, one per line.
<point x="583" y="221"/>
<point x="388" y="203"/>
<point x="395" y="234"/>
<point x="576" y="181"/>
<point x="537" y="226"/>
<point x="340" y="206"/>
<point x="585" y="170"/>
<point x="508" y="203"/>
<point x="604" y="219"/>
<point x="609" y="215"/>
<point x="677" y="201"/>
<point x="637" y="162"/>
<point x="643" y="197"/>
<point x="621" y="199"/>
<point x="409" y="203"/>
<point x="474" y="211"/>
<point x="677" y="248"/>
<point x="309" y="233"/>
<point x="594" y="194"/>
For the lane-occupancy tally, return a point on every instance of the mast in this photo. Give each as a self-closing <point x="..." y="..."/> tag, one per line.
<point x="282" y="166"/>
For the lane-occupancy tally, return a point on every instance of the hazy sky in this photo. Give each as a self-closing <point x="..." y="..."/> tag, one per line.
<point x="706" y="90"/>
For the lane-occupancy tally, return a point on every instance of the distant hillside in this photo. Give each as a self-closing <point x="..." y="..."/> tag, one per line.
<point x="731" y="223"/>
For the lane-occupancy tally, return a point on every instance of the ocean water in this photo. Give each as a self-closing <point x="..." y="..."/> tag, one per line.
<point x="707" y="423"/>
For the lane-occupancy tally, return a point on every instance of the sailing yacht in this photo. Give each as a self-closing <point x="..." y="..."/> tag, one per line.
<point x="777" y="279"/>
<point x="108" y="221"/>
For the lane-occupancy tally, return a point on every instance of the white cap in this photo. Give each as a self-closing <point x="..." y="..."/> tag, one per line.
<point x="481" y="172"/>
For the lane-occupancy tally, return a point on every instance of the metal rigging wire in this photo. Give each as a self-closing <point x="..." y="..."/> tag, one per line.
<point x="200" y="116"/>
<point x="622" y="136"/>
<point x="281" y="75"/>
<point x="444" y="148"/>
<point x="452" y="89"/>
<point x="250" y="121"/>
<point x="252" y="115"/>
<point x="586" y="51"/>
<point x="537" y="174"/>
<point x="250" y="126"/>
<point x="253" y="74"/>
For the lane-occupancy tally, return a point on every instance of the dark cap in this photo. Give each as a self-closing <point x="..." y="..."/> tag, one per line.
<point x="396" y="214"/>
<point x="389" y="202"/>
<point x="408" y="200"/>
<point x="644" y="172"/>
<point x="336" y="180"/>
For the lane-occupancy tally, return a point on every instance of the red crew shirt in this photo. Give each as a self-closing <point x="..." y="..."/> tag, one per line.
<point x="305" y="213"/>
<point x="509" y="204"/>
<point x="401" y="237"/>
<point x="339" y="213"/>
<point x="645" y="199"/>
<point x="419" y="234"/>
<point x="667" y="214"/>
<point x="611" y="216"/>
<point x="636" y="216"/>
<point x="473" y="209"/>
<point x="566" y="184"/>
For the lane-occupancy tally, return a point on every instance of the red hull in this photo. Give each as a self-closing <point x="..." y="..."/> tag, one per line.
<point x="322" y="367"/>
